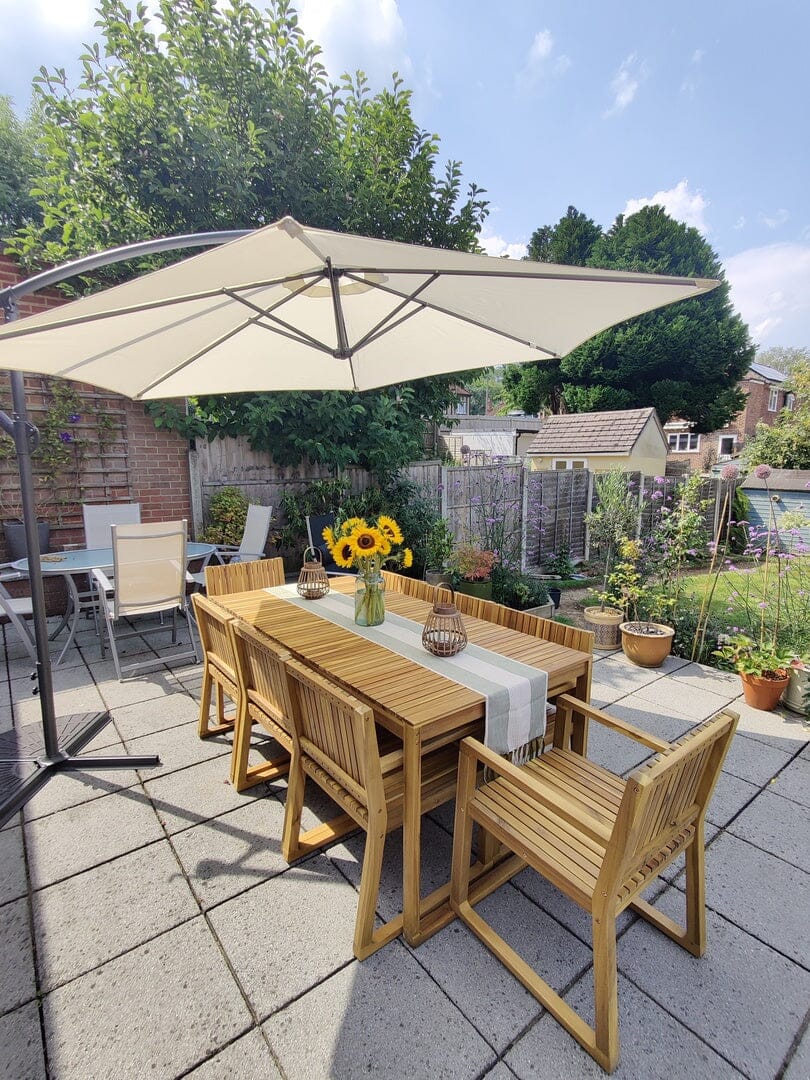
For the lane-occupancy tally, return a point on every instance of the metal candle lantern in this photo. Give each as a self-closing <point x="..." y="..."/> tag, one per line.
<point x="444" y="633"/>
<point x="312" y="581"/>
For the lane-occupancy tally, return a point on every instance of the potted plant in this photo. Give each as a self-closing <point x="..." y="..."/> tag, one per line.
<point x="609" y="525"/>
<point x="520" y="591"/>
<point x="646" y="641"/>
<point x="763" y="668"/>
<point x="797" y="692"/>
<point x="471" y="570"/>
<point x="438" y="549"/>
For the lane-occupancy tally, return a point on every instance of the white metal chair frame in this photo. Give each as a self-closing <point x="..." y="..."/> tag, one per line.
<point x="17" y="610"/>
<point x="146" y="582"/>
<point x="98" y="521"/>
<point x="251" y="547"/>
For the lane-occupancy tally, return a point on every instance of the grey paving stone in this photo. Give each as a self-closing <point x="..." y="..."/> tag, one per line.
<point x="741" y="997"/>
<point x="752" y="760"/>
<point x="82" y="836"/>
<point x="288" y="934"/>
<point x="671" y="1053"/>
<point x="138" y="719"/>
<point x="179" y="747"/>
<point x="501" y="1071"/>
<point x="249" y="1058"/>
<point x="783" y="730"/>
<point x="195" y="794"/>
<point x="799" y="1065"/>
<point x="760" y="893"/>
<point x="67" y="789"/>
<point x="794" y="782"/>
<point x="16" y="956"/>
<point x="88" y="919"/>
<point x="777" y="825"/>
<point x="21" y="1055"/>
<point x="13" y="884"/>
<point x="565" y="911"/>
<point x="382" y="1018"/>
<point x="147" y="686"/>
<point x="724" y="684"/>
<point x="615" y="752"/>
<point x="170" y="1003"/>
<point x="82" y="699"/>
<point x="698" y="702"/>
<point x="230" y="853"/>
<point x="64" y="681"/>
<point x="730" y="796"/>
<point x="494" y="1001"/>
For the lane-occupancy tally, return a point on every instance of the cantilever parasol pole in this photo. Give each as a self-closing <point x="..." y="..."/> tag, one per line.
<point x="28" y="759"/>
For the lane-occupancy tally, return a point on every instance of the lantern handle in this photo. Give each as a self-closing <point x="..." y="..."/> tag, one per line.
<point x="444" y="585"/>
<point x="315" y="551"/>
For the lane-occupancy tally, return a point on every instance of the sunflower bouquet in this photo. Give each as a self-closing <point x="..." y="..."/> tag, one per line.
<point x="367" y="547"/>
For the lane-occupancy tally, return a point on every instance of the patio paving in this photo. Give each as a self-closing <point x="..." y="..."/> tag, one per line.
<point x="150" y="926"/>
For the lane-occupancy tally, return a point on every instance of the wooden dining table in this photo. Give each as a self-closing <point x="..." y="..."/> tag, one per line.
<point x="424" y="709"/>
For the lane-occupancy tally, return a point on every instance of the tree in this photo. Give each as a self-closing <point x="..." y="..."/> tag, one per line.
<point x="226" y="121"/>
<point x="686" y="360"/>
<point x="783" y="358"/>
<point x="785" y="444"/>
<point x="569" y="242"/>
<point x="18" y="157"/>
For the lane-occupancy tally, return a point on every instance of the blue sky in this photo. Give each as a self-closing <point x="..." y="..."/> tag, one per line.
<point x="603" y="104"/>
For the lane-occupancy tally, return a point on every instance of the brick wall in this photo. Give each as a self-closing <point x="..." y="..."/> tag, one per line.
<point x="157" y="471"/>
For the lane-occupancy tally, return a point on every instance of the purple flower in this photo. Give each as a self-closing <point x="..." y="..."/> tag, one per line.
<point x="730" y="472"/>
<point x="659" y="479"/>
<point x="762" y="472"/>
<point x="65" y="436"/>
<point x="74" y="418"/>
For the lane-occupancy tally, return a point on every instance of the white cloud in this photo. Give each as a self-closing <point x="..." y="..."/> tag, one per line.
<point x="698" y="55"/>
<point x="773" y="221"/>
<point x="55" y="16"/>
<point x="541" y="62"/>
<point x="625" y="83"/>
<point x="679" y="202"/>
<point x="364" y="34"/>
<point x="739" y="223"/>
<point x="496" y="245"/>
<point x="770" y="287"/>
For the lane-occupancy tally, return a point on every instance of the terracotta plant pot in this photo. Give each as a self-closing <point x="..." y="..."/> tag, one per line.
<point x="646" y="644"/>
<point x="794" y="695"/>
<point x="762" y="693"/>
<point x="605" y="625"/>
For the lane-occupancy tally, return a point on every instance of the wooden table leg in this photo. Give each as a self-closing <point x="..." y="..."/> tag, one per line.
<point x="579" y="730"/>
<point x="412" y="834"/>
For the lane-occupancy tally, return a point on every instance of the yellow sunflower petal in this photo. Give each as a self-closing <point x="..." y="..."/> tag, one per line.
<point x="407" y="558"/>
<point x="352" y="523"/>
<point x="343" y="553"/>
<point x="388" y="526"/>
<point x="329" y="536"/>
<point x="367" y="541"/>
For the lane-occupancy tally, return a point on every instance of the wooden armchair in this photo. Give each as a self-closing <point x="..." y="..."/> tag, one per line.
<point x="236" y="577"/>
<point x="219" y="666"/>
<point x="336" y="745"/>
<point x="600" y="839"/>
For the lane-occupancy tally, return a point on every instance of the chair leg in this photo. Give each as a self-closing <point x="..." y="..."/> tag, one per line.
<point x="366" y="941"/>
<point x="605" y="987"/>
<point x="695" y="937"/>
<point x="240" y="750"/>
<point x="290" y="841"/>
<point x="462" y="832"/>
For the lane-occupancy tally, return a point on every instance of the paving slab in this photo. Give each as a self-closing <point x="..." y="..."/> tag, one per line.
<point x="170" y="1003"/>
<point x="616" y="678"/>
<point x="68" y="789"/>
<point x="731" y="796"/>
<point x="81" y="699"/>
<point x="228" y="854"/>
<point x="759" y="892"/>
<point x="494" y="1001"/>
<point x="249" y="1058"/>
<point x="138" y="719"/>
<point x="616" y="752"/>
<point x="671" y="1052"/>
<point x="288" y="934"/>
<point x="781" y="729"/>
<point x="799" y="1064"/>
<point x="793" y="782"/>
<point x="696" y="701"/>
<point x="559" y="907"/>
<point x="17" y="984"/>
<point x="82" y="836"/>
<point x="178" y="747"/>
<point x="741" y="997"/>
<point x="13" y="884"/>
<point x="753" y="760"/>
<point x="21" y="1053"/>
<point x="90" y="918"/>
<point x="382" y="1018"/>
<point x="777" y="825"/>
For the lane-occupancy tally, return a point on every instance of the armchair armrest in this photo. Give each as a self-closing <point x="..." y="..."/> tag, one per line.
<point x="536" y="789"/>
<point x="565" y="701"/>
<point x="102" y="581"/>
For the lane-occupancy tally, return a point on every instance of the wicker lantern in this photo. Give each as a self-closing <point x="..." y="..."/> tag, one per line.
<point x="444" y="633"/>
<point x="312" y="581"/>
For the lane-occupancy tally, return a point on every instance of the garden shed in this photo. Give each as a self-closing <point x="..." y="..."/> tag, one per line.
<point x="785" y="491"/>
<point x="629" y="439"/>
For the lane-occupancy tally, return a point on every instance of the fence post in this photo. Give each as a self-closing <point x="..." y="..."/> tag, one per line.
<point x="588" y="509"/>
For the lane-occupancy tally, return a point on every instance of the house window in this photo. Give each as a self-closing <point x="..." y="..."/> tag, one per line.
<point x="790" y="402"/>
<point x="461" y="407"/>
<point x="561" y="464"/>
<point x="773" y="400"/>
<point x="726" y="447"/>
<point x="685" y="442"/>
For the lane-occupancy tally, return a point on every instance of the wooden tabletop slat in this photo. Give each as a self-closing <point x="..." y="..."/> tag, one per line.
<point x="416" y="695"/>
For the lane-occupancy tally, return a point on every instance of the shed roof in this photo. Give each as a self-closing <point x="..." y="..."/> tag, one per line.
<point x="781" y="480"/>
<point x="593" y="433"/>
<point x="769" y="373"/>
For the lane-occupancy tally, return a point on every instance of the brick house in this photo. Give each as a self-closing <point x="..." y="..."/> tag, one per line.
<point x="765" y="398"/>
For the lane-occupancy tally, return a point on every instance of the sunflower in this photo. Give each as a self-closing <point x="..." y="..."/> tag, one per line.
<point x="350" y="524"/>
<point x="407" y="558"/>
<point x="367" y="541"/>
<point x="329" y="536"/>
<point x="389" y="528"/>
<point x="343" y="553"/>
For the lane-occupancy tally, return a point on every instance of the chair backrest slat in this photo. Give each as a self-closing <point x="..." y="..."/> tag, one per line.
<point x="257" y="528"/>
<point x="236" y="577"/>
<point x="100" y="517"/>
<point x="149" y="562"/>
<point x="213" y="625"/>
<point x="261" y="673"/>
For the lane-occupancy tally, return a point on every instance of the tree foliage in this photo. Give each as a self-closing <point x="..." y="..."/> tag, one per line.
<point x="686" y="360"/>
<point x="783" y="358"/>
<point x="226" y="120"/>
<point x="18" y="164"/>
<point x="785" y="444"/>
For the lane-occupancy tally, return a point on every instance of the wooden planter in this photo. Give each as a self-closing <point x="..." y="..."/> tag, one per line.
<point x="543" y="611"/>
<point x="793" y="697"/>
<point x="646" y="649"/>
<point x="762" y="693"/>
<point x="605" y="625"/>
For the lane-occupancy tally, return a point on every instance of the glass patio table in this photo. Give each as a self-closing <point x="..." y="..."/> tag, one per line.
<point x="71" y="564"/>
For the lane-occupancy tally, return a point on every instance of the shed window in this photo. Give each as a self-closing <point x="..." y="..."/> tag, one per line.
<point x="773" y="400"/>
<point x="561" y="464"/>
<point x="685" y="442"/>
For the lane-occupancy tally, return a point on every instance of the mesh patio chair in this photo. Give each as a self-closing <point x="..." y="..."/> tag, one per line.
<point x="100" y="517"/>
<point x="250" y="548"/>
<point x="316" y="523"/>
<point x="16" y="610"/>
<point x="149" y="566"/>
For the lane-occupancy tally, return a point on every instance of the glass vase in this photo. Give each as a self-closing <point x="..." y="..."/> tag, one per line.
<point x="369" y="600"/>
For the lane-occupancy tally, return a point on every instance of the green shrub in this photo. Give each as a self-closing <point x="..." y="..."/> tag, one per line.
<point x="227" y="512"/>
<point x="517" y="590"/>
